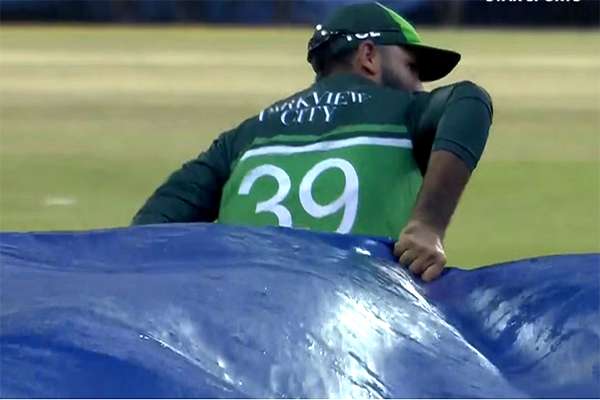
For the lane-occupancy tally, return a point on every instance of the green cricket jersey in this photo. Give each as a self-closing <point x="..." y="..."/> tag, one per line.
<point x="345" y="155"/>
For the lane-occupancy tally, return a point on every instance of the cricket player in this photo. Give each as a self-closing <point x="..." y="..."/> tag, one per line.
<point x="364" y="150"/>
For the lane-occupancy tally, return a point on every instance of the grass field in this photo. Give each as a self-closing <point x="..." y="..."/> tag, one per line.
<point x="93" y="119"/>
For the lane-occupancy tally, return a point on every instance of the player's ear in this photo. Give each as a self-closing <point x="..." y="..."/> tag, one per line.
<point x="368" y="59"/>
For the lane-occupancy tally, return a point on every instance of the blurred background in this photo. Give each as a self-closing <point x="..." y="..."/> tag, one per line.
<point x="100" y="100"/>
<point x="301" y="12"/>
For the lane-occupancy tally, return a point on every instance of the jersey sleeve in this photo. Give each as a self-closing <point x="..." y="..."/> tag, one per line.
<point x="454" y="118"/>
<point x="192" y="193"/>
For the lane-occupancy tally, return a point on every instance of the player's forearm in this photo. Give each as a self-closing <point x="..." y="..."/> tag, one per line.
<point x="172" y="204"/>
<point x="190" y="194"/>
<point x="446" y="177"/>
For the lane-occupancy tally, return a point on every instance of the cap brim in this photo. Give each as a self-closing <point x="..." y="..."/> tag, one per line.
<point x="433" y="63"/>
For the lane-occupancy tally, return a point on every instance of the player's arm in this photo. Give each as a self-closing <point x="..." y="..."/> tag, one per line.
<point x="456" y="121"/>
<point x="192" y="193"/>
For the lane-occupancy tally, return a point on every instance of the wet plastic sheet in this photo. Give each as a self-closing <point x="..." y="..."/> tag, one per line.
<point x="215" y="311"/>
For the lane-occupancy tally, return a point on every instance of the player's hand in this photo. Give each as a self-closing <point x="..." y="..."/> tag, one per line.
<point x="420" y="249"/>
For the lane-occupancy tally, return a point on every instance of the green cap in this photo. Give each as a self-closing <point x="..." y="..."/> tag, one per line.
<point x="373" y="21"/>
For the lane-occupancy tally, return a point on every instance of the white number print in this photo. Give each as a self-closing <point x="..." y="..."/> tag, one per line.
<point x="271" y="205"/>
<point x="348" y="199"/>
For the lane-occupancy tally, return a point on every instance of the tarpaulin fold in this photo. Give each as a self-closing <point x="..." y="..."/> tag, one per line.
<point x="208" y="310"/>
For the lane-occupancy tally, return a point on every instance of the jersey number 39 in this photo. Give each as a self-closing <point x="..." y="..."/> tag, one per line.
<point x="348" y="200"/>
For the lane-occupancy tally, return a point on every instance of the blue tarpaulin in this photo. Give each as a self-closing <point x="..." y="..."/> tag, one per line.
<point x="207" y="310"/>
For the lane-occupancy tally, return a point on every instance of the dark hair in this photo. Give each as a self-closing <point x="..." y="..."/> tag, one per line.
<point x="324" y="63"/>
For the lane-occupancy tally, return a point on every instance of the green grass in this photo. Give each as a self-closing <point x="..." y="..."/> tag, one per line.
<point x="101" y="115"/>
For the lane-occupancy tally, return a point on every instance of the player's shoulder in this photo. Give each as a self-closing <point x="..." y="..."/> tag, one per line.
<point x="434" y="103"/>
<point x="443" y="97"/>
<point x="461" y="90"/>
<point x="257" y="124"/>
